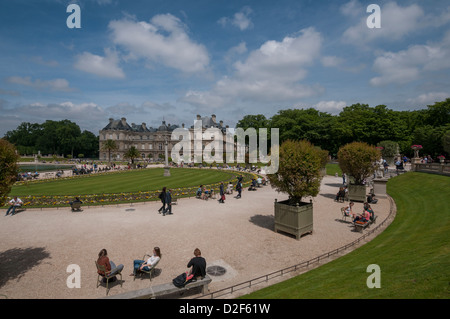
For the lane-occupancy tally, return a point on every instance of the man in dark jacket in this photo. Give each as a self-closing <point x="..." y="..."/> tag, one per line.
<point x="168" y="202"/>
<point x="239" y="189"/>
<point x="162" y="197"/>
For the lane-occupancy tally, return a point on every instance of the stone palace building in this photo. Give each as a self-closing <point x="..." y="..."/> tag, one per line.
<point x="150" y="142"/>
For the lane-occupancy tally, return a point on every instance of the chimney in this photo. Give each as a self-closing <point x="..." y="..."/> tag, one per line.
<point x="111" y="120"/>
<point x="182" y="125"/>
<point x="124" y="121"/>
<point x="221" y="123"/>
<point x="199" y="117"/>
<point x="144" y="125"/>
<point x="213" y="117"/>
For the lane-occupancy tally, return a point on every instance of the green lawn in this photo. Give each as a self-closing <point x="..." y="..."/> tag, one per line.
<point x="413" y="253"/>
<point x="129" y="181"/>
<point x="332" y="169"/>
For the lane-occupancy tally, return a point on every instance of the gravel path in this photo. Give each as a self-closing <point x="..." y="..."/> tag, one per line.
<point x="36" y="247"/>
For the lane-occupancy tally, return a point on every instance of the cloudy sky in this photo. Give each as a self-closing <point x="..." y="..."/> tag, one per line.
<point x="173" y="59"/>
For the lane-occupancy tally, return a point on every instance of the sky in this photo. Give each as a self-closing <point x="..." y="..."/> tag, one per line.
<point x="153" y="60"/>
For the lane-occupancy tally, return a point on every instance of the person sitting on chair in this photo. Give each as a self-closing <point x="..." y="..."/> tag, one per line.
<point x="15" y="203"/>
<point x="199" y="191"/>
<point x="340" y="194"/>
<point x="103" y="260"/>
<point x="230" y="188"/>
<point x="77" y="200"/>
<point x="349" y="210"/>
<point x="146" y="265"/>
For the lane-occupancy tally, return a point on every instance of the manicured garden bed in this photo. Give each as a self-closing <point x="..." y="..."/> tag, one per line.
<point x="121" y="187"/>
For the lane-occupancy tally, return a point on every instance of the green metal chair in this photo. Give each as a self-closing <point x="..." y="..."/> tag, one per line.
<point x="107" y="276"/>
<point x="150" y="271"/>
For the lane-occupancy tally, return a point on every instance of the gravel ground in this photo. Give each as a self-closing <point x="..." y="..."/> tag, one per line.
<point x="38" y="246"/>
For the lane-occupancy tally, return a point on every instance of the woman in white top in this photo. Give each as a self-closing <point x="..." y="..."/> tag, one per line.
<point x="349" y="210"/>
<point x="147" y="264"/>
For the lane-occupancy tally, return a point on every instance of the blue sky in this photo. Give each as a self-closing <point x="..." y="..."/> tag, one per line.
<point x="149" y="60"/>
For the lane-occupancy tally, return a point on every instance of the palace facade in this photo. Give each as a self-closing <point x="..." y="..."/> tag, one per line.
<point x="150" y="142"/>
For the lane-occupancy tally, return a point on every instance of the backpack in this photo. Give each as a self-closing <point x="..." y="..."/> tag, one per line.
<point x="181" y="280"/>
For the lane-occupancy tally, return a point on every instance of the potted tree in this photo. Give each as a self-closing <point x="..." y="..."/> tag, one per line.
<point x="358" y="160"/>
<point x="299" y="176"/>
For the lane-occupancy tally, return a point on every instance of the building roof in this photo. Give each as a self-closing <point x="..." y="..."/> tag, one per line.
<point x="122" y="125"/>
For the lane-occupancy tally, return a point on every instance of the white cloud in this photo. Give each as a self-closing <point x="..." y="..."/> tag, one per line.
<point x="408" y="65"/>
<point x="147" y="107"/>
<point x="61" y="85"/>
<point x="429" y="98"/>
<point x="163" y="40"/>
<point x="332" y="107"/>
<point x="240" y="19"/>
<point x="331" y="61"/>
<point x="352" y="8"/>
<point x="272" y="73"/>
<point x="106" y="66"/>
<point x="396" y="22"/>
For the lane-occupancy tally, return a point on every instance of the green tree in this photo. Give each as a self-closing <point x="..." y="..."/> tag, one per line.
<point x="88" y="144"/>
<point x="390" y="148"/>
<point x="8" y="168"/>
<point x="132" y="153"/>
<point x="24" y="137"/>
<point x="446" y="142"/>
<point x="309" y="124"/>
<point x="358" y="160"/>
<point x="298" y="174"/>
<point x="109" y="146"/>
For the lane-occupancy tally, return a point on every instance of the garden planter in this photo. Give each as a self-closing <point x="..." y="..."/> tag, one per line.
<point x="296" y="220"/>
<point x="357" y="193"/>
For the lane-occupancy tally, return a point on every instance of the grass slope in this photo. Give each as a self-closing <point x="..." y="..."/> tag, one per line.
<point x="413" y="252"/>
<point x="129" y="181"/>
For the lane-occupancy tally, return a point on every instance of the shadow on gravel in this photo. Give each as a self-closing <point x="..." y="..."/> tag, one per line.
<point x="15" y="262"/>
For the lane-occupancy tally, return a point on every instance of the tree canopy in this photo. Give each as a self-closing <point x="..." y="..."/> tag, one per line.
<point x="53" y="137"/>
<point x="8" y="168"/>
<point x="362" y="123"/>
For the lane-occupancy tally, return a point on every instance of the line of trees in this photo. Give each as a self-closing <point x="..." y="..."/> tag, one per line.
<point x="53" y="137"/>
<point x="427" y="127"/>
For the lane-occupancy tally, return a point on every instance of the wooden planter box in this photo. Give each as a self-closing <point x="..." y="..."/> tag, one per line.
<point x="357" y="193"/>
<point x="295" y="220"/>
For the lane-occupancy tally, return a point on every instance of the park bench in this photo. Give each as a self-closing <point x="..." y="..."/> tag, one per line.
<point x="164" y="290"/>
<point x="360" y="226"/>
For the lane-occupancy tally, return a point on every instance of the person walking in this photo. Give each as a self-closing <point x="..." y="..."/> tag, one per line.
<point x="239" y="189"/>
<point x="162" y="197"/>
<point x="222" y="194"/>
<point x="168" y="202"/>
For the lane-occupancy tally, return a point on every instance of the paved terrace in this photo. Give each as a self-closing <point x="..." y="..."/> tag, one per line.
<point x="37" y="246"/>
